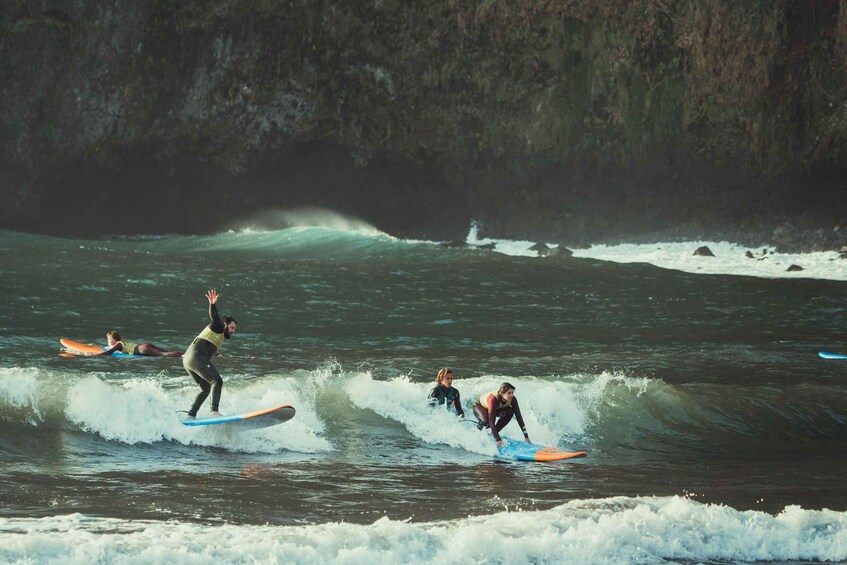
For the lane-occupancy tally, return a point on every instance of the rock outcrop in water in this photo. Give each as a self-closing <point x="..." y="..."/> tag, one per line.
<point x="578" y="121"/>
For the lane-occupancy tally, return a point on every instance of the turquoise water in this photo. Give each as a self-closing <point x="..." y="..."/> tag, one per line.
<point x="714" y="431"/>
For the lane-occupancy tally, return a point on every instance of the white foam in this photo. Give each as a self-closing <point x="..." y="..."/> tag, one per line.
<point x="514" y="248"/>
<point x="19" y="389"/>
<point x="612" y="530"/>
<point x="729" y="259"/>
<point x="141" y="411"/>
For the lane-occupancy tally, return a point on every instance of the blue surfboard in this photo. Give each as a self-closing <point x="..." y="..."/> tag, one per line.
<point x="249" y="420"/>
<point x="523" y="451"/>
<point x="827" y="355"/>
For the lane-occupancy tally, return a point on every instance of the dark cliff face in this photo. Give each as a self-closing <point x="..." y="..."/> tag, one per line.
<point x="575" y="121"/>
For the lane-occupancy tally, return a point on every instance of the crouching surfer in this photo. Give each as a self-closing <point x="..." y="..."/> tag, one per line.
<point x="116" y="345"/>
<point x="495" y="409"/>
<point x="198" y="357"/>
<point x="443" y="393"/>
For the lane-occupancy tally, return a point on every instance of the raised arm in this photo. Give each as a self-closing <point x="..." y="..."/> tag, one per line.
<point x="217" y="324"/>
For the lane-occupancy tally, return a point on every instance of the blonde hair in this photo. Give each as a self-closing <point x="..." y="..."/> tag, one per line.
<point x="443" y="373"/>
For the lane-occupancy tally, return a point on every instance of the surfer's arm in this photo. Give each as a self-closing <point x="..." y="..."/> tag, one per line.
<point x="457" y="402"/>
<point x="217" y="324"/>
<point x="434" y="397"/>
<point x="516" y="407"/>
<point x="114" y="348"/>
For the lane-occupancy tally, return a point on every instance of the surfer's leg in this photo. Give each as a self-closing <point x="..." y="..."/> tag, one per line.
<point x="505" y="416"/>
<point x="217" y="384"/>
<point x="148" y="349"/>
<point x="208" y="373"/>
<point x="151" y="350"/>
<point x="205" y="388"/>
<point x="481" y="415"/>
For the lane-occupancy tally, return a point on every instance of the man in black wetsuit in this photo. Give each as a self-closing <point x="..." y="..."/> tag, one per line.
<point x="197" y="359"/>
<point x="444" y="393"/>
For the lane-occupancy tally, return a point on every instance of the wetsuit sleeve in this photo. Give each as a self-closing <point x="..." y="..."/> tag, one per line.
<point x="457" y="402"/>
<point x="116" y="347"/>
<point x="217" y="324"/>
<point x="434" y="397"/>
<point x="518" y="416"/>
<point x="492" y="415"/>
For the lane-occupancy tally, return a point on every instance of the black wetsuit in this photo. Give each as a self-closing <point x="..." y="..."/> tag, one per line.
<point x="440" y="394"/>
<point x="197" y="360"/>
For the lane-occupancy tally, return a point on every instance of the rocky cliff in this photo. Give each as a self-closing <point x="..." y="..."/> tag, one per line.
<point x="573" y="121"/>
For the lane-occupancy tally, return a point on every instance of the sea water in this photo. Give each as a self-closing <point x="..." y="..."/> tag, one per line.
<point x="714" y="432"/>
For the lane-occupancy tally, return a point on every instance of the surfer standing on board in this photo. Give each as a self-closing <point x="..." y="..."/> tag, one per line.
<point x="198" y="357"/>
<point x="444" y="392"/>
<point x="500" y="406"/>
<point x="115" y="344"/>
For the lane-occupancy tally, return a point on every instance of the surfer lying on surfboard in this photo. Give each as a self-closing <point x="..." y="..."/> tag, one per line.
<point x="500" y="405"/>
<point x="198" y="357"/>
<point x="116" y="344"/>
<point x="444" y="393"/>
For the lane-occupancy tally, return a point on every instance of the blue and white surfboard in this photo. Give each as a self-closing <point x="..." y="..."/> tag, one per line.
<point x="248" y="420"/>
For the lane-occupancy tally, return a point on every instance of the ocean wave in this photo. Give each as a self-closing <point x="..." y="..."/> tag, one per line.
<point x="611" y="530"/>
<point x="146" y="411"/>
<point x="611" y="415"/>
<point x="276" y="220"/>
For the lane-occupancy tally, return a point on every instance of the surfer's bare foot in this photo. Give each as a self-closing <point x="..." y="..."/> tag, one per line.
<point x="216" y="413"/>
<point x="189" y="417"/>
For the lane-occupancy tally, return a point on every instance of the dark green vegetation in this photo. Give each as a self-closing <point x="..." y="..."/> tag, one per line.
<point x="580" y="120"/>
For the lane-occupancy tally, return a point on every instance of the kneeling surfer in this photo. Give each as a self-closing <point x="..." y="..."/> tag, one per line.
<point x="115" y="344"/>
<point x="444" y="392"/>
<point x="198" y="357"/>
<point x="500" y="405"/>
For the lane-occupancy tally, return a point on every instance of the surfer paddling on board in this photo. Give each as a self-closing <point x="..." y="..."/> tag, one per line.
<point x="500" y="405"/>
<point x="198" y="357"/>
<point x="116" y="344"/>
<point x="444" y="393"/>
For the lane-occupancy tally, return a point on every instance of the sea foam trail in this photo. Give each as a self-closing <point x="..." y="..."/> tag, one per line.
<point x="612" y="530"/>
<point x="729" y="259"/>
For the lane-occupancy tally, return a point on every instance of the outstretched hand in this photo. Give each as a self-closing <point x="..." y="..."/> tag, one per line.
<point x="212" y="295"/>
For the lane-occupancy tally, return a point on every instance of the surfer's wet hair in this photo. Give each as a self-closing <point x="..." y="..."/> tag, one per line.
<point x="114" y="335"/>
<point x="443" y="373"/>
<point x="228" y="319"/>
<point x="504" y="388"/>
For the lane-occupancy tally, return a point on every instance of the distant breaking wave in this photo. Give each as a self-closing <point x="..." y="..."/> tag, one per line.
<point x="275" y="220"/>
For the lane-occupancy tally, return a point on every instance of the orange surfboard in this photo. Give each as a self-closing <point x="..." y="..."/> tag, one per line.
<point x="75" y="348"/>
